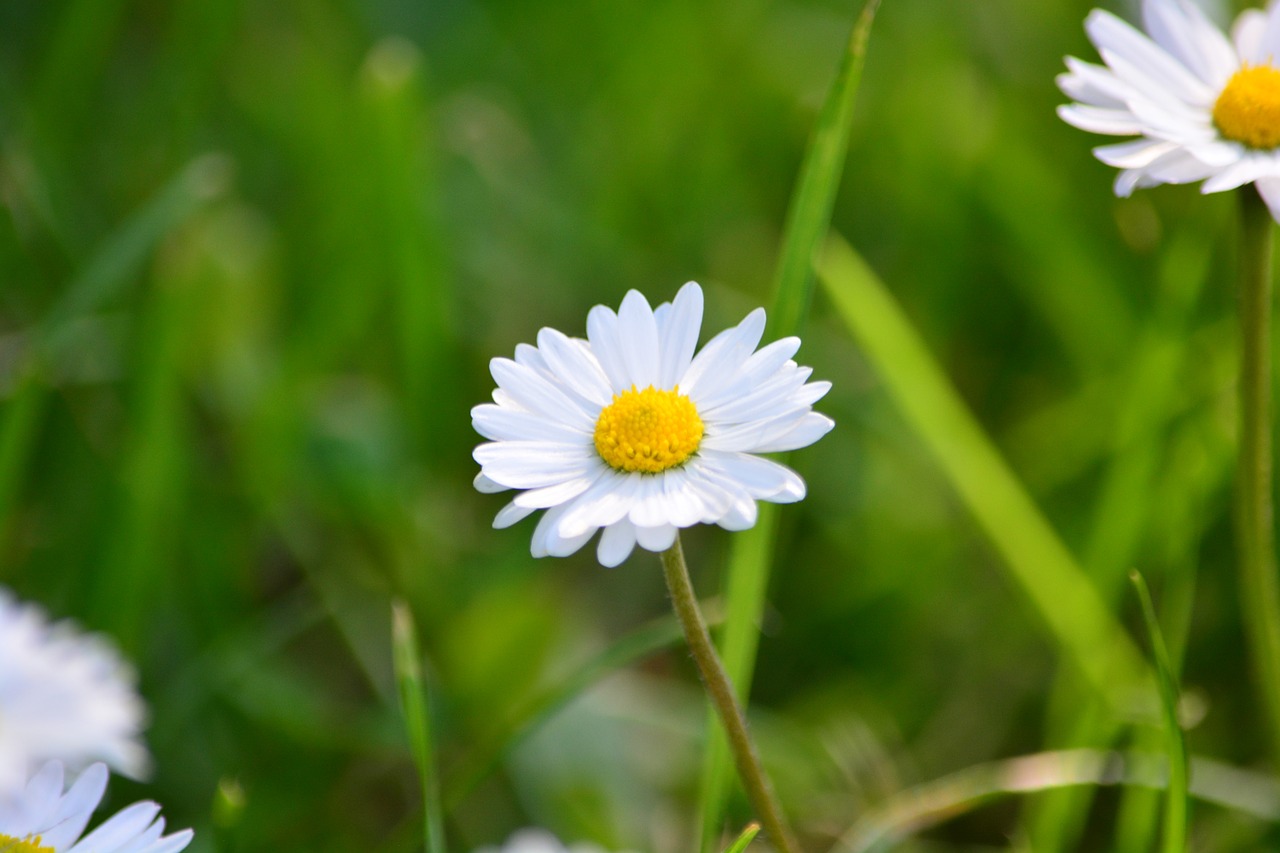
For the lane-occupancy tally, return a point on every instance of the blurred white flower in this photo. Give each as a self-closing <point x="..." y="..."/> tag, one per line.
<point x="1204" y="106"/>
<point x="630" y="433"/>
<point x="44" y="819"/>
<point x="63" y="695"/>
<point x="538" y="841"/>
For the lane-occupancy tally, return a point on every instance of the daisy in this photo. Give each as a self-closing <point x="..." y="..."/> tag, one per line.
<point x="538" y="841"/>
<point x="1204" y="106"/>
<point x="44" y="819"/>
<point x="631" y="433"/>
<point x="63" y="695"/>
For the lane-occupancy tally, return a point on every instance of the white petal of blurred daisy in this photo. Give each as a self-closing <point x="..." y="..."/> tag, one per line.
<point x="1204" y="107"/>
<point x="538" y="841"/>
<point x="44" y="819"/>
<point x="63" y="695"/>
<point x="630" y="433"/>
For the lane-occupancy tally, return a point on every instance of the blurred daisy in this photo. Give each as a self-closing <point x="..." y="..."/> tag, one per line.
<point x="63" y="695"/>
<point x="538" y="841"/>
<point x="44" y="819"/>
<point x="631" y="433"/>
<point x="1204" y="106"/>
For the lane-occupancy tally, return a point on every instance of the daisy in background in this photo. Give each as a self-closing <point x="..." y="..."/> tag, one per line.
<point x="46" y="819"/>
<point x="630" y="433"/>
<point x="538" y="841"/>
<point x="63" y="695"/>
<point x="1204" y="107"/>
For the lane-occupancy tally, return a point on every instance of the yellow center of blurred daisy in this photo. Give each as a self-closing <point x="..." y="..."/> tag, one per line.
<point x="1248" y="110"/>
<point x="9" y="844"/>
<point x="648" y="431"/>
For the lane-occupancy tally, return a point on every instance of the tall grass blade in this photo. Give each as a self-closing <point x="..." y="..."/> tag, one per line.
<point x="415" y="706"/>
<point x="808" y="219"/>
<point x="748" y="835"/>
<point x="1036" y="558"/>
<point x="1175" y="810"/>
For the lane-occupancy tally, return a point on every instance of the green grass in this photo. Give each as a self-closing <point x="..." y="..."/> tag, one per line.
<point x="255" y="258"/>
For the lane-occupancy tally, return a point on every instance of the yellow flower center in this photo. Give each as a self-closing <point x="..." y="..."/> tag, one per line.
<point x="648" y="430"/>
<point x="9" y="844"/>
<point x="1248" y="110"/>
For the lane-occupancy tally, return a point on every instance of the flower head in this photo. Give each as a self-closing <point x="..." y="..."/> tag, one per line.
<point x="1203" y="106"/>
<point x="631" y="433"/>
<point x="63" y="695"/>
<point x="538" y="841"/>
<point x="44" y="819"/>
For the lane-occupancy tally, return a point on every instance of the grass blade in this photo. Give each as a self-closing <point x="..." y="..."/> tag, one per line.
<point x="748" y="835"/>
<point x="808" y="219"/>
<point x="1175" y="813"/>
<point x="1034" y="555"/>
<point x="417" y="719"/>
<point x="923" y="806"/>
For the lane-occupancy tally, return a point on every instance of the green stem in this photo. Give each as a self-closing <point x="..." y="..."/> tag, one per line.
<point x="720" y="690"/>
<point x="1259" y="594"/>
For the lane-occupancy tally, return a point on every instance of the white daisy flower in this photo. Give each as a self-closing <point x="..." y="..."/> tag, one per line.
<point x="538" y="841"/>
<point x="63" y="695"/>
<point x="1204" y="106"/>
<point x="630" y="433"/>
<point x="44" y="819"/>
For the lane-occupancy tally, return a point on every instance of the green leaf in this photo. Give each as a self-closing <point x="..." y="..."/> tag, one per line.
<point x="1035" y="557"/>
<point x="1175" y="810"/>
<point x="748" y="835"/>
<point x="414" y="704"/>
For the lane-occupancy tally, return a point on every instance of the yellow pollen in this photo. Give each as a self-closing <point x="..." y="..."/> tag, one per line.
<point x="648" y="431"/>
<point x="1248" y="110"/>
<point x="9" y="844"/>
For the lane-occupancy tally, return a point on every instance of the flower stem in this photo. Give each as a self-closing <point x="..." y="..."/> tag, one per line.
<point x="1260" y="595"/>
<point x="759" y="791"/>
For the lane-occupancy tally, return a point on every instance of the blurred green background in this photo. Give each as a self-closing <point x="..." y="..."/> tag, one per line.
<point x="255" y="257"/>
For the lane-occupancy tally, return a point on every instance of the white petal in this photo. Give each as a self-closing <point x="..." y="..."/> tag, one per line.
<point x="1251" y="168"/>
<point x="549" y="496"/>
<point x="533" y="464"/>
<point x="1133" y="155"/>
<point x="1249" y="34"/>
<point x="603" y="504"/>
<point x="501" y="424"/>
<point x="536" y="393"/>
<point x="722" y="357"/>
<point x="486" y="486"/>
<point x="171" y="844"/>
<point x="741" y="516"/>
<point x="1101" y="120"/>
<point x="511" y="514"/>
<point x="648" y="508"/>
<point x="1094" y="85"/>
<point x="763" y="478"/>
<point x="121" y="828"/>
<point x="679" y="335"/>
<point x="1182" y="29"/>
<point x="602" y="332"/>
<point x="616" y="543"/>
<point x="810" y="428"/>
<point x="1116" y="39"/>
<point x="1269" y="189"/>
<point x="638" y="340"/>
<point x="1269" y="50"/>
<point x="575" y="366"/>
<point x="550" y="518"/>
<point x="656" y="538"/>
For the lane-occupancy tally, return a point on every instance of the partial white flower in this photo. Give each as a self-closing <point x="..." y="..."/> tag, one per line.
<point x="1204" y="107"/>
<point x="630" y="433"/>
<point x="44" y="819"/>
<point x="64" y="695"/>
<point x="538" y="841"/>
